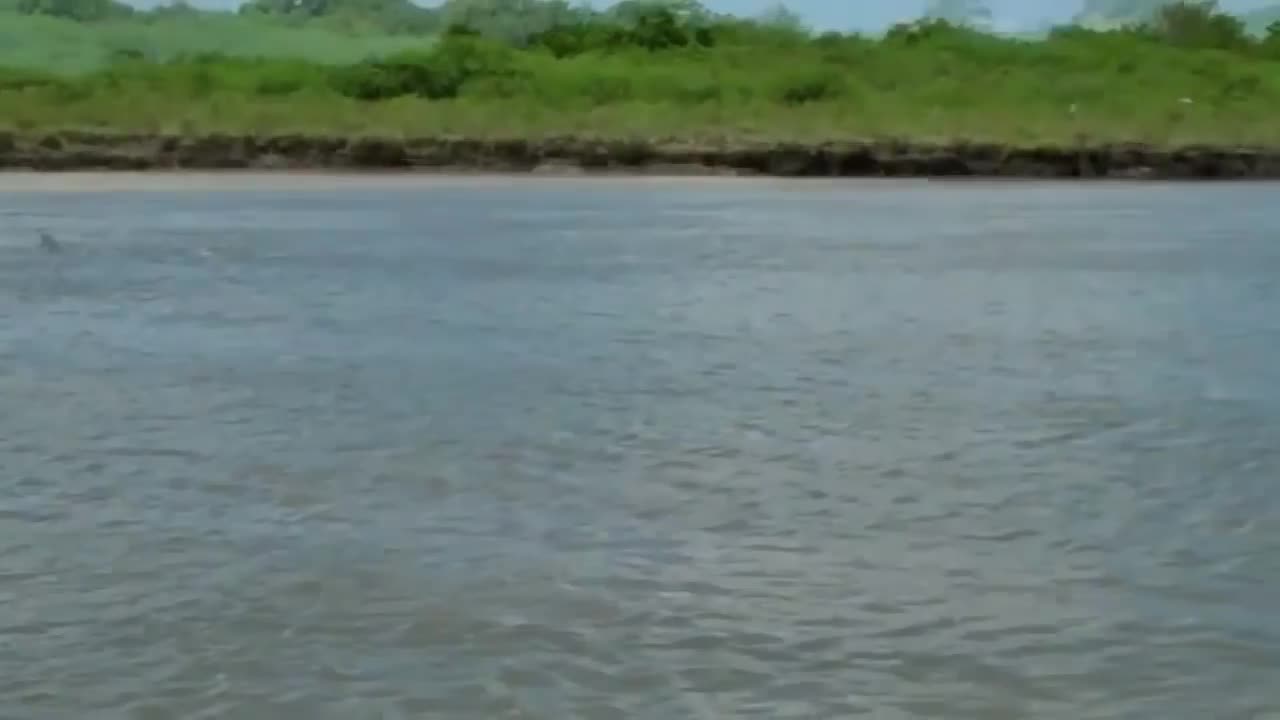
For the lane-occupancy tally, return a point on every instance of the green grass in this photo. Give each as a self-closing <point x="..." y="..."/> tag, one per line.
<point x="943" y="84"/>
<point x="65" y="46"/>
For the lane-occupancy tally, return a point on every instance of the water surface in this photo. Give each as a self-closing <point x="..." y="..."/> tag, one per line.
<point x="656" y="449"/>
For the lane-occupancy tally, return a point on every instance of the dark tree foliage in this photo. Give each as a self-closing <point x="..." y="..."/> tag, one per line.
<point x="438" y="74"/>
<point x="1200" y="25"/>
<point x="512" y="21"/>
<point x="651" y="27"/>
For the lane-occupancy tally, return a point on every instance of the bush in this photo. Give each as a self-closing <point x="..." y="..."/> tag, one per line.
<point x="572" y="40"/>
<point x="1199" y="25"/>
<point x="655" y="29"/>
<point x="806" y="86"/>
<point x="18" y="80"/>
<point x="1270" y="45"/>
<point x="437" y="74"/>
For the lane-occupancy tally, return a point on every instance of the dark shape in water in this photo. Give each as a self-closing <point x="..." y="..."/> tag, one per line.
<point x="49" y="243"/>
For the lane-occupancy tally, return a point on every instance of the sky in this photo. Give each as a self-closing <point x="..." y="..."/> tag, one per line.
<point x="867" y="14"/>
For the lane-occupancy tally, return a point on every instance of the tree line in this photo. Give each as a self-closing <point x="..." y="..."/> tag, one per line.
<point x="516" y="21"/>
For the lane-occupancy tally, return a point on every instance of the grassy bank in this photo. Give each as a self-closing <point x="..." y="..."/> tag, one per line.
<point x="709" y="80"/>
<point x="64" y="47"/>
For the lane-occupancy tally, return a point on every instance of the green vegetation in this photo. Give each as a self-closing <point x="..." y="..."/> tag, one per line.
<point x="1104" y="14"/>
<point x="51" y="44"/>
<point x="1181" y="73"/>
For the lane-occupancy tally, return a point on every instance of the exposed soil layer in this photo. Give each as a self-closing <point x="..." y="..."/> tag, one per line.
<point x="99" y="151"/>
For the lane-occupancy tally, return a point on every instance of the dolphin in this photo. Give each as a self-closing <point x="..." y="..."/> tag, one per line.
<point x="49" y="244"/>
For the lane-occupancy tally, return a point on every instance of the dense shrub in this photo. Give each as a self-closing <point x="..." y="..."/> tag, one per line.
<point x="656" y="28"/>
<point x="439" y="73"/>
<point x="1199" y="25"/>
<point x="17" y="80"/>
<point x="809" y="85"/>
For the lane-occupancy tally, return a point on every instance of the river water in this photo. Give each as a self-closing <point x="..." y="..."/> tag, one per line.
<point x="571" y="448"/>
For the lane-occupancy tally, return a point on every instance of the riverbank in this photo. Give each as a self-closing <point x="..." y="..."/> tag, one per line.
<point x="671" y="95"/>
<point x="106" y="151"/>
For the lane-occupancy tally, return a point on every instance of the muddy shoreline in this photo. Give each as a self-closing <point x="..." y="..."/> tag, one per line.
<point x="80" y="151"/>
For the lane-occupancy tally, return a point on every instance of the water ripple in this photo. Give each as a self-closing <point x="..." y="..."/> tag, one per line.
<point x="659" y="451"/>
